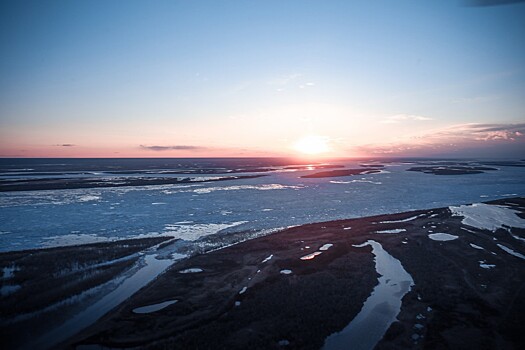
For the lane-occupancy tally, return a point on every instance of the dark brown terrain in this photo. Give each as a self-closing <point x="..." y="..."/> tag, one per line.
<point x="342" y="172"/>
<point x="39" y="184"/>
<point x="452" y="170"/>
<point x="241" y="299"/>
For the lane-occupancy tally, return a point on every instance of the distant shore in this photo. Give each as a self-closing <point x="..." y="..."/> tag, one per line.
<point x="42" y="184"/>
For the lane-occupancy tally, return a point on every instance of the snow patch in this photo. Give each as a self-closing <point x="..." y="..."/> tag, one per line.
<point x="511" y="252"/>
<point x="402" y="220"/>
<point x="396" y="230"/>
<point x="311" y="256"/>
<point x="191" y="270"/>
<point x="476" y="246"/>
<point x="326" y="246"/>
<point x="267" y="259"/>
<point x="442" y="237"/>
<point x="488" y="217"/>
<point x="484" y="265"/>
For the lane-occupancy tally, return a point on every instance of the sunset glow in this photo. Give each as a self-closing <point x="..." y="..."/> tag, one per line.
<point x="312" y="145"/>
<point x="224" y="79"/>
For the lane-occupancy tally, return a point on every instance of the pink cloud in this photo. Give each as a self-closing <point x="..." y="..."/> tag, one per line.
<point x="490" y="140"/>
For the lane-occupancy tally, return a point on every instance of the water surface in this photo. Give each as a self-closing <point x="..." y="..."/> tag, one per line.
<point x="380" y="309"/>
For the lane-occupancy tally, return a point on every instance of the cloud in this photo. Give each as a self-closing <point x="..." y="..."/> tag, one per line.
<point x="176" y="147"/>
<point x="65" y="145"/>
<point x="481" y="132"/>
<point x="398" y="118"/>
<point x="464" y="140"/>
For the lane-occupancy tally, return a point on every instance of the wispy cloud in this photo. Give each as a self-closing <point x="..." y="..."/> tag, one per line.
<point x="284" y="79"/>
<point x="65" y="145"/>
<point x="176" y="147"/>
<point x="480" y="132"/>
<point x="399" y="118"/>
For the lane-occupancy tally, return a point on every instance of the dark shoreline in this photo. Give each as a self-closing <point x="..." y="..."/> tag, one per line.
<point x="452" y="293"/>
<point x="342" y="172"/>
<point x="78" y="183"/>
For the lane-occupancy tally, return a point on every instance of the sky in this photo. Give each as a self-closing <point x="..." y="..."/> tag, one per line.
<point x="262" y="78"/>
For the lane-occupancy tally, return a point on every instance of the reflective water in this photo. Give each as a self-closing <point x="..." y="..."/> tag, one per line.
<point x="154" y="307"/>
<point x="150" y="270"/>
<point x="380" y="309"/>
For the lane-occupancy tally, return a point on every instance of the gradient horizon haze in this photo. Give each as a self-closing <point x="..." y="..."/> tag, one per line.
<point x="257" y="78"/>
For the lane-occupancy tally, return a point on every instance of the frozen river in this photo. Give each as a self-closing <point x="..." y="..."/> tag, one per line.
<point x="193" y="210"/>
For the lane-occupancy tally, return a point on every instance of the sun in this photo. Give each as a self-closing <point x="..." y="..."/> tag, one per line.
<point x="312" y="145"/>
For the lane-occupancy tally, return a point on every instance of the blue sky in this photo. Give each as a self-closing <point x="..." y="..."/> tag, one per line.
<point x="115" y="78"/>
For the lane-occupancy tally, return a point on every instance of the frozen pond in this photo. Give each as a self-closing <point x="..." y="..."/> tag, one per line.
<point x="380" y="309"/>
<point x="442" y="237"/>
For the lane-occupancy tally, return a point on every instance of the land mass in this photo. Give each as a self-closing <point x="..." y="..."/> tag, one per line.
<point x="94" y="182"/>
<point x="342" y="172"/>
<point x="294" y="288"/>
<point x="452" y="170"/>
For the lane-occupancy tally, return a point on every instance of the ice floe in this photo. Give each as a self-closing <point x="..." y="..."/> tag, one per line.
<point x="75" y="239"/>
<point x="154" y="307"/>
<point x="356" y="181"/>
<point x="286" y="272"/>
<point x="442" y="237"/>
<point x="88" y="198"/>
<point x="243" y="290"/>
<point x="263" y="187"/>
<point x="488" y="217"/>
<point x="192" y="232"/>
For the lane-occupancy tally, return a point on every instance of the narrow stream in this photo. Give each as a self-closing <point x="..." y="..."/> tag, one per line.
<point x="381" y="308"/>
<point x="151" y="269"/>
